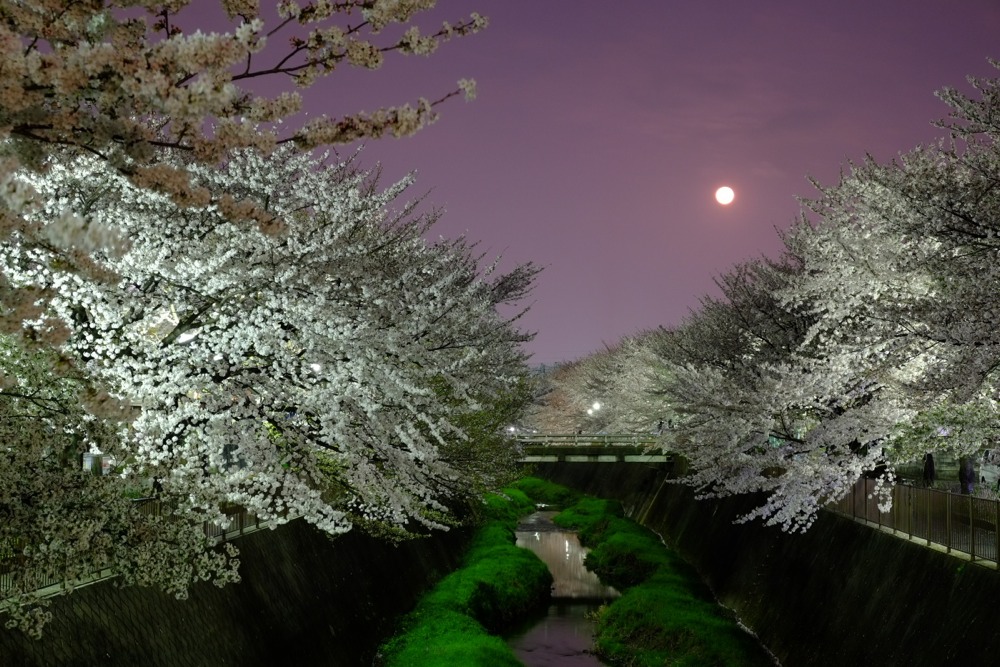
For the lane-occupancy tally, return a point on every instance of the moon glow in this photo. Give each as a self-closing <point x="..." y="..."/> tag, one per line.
<point x="725" y="195"/>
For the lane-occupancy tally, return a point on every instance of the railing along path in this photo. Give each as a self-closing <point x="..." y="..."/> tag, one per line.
<point x="240" y="522"/>
<point x="588" y="439"/>
<point x="590" y="448"/>
<point x="952" y="522"/>
<point x="958" y="524"/>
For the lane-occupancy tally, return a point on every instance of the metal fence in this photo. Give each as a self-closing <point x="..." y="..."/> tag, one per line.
<point x="240" y="522"/>
<point x="8" y="570"/>
<point x="967" y="524"/>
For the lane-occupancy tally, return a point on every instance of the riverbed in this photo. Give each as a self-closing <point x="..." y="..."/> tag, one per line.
<point x="564" y="635"/>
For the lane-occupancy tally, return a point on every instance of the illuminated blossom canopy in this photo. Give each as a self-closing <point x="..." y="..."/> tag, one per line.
<point x="187" y="287"/>
<point x="330" y="365"/>
<point x="299" y="371"/>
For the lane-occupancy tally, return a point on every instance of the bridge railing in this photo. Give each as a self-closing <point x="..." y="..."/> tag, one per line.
<point x="585" y="439"/>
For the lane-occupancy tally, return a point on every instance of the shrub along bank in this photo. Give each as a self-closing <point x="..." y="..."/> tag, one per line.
<point x="496" y="585"/>
<point x="666" y="615"/>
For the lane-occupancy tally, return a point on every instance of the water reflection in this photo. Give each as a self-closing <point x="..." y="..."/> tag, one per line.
<point x="562" y="552"/>
<point x="564" y="636"/>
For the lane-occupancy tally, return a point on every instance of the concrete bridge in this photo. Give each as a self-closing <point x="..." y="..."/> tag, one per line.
<point x="590" y="448"/>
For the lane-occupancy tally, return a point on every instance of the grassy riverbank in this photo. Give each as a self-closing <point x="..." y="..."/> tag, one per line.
<point x="666" y="615"/>
<point x="457" y="623"/>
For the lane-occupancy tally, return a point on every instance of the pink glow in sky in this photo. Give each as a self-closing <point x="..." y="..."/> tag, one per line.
<point x="603" y="129"/>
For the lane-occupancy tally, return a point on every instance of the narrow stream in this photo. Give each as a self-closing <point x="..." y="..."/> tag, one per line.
<point x="563" y="637"/>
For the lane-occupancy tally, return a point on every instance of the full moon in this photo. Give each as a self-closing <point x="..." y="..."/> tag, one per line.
<point x="725" y="195"/>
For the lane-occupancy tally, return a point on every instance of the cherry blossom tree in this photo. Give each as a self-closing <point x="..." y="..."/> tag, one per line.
<point x="230" y="316"/>
<point x="552" y="409"/>
<point x="739" y="387"/>
<point x="616" y="378"/>
<point x="127" y="80"/>
<point x="810" y="370"/>
<point x="901" y="269"/>
<point x="295" y="373"/>
<point x="870" y="285"/>
<point x="872" y="342"/>
<point x="332" y="364"/>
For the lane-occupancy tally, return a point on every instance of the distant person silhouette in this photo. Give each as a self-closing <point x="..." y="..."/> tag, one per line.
<point x="929" y="474"/>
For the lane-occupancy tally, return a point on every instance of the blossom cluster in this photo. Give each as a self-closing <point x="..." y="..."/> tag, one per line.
<point x="61" y="523"/>
<point x="92" y="75"/>
<point x="262" y="362"/>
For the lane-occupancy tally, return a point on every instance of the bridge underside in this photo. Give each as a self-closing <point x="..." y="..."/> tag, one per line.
<point x="592" y="454"/>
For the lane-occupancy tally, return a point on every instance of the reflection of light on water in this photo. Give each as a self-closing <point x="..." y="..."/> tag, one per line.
<point x="564" y="555"/>
<point x="564" y="636"/>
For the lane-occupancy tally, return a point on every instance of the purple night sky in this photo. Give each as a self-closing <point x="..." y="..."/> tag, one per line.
<point x="602" y="130"/>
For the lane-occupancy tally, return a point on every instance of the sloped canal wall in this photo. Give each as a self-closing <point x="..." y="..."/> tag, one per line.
<point x="304" y="599"/>
<point x="840" y="594"/>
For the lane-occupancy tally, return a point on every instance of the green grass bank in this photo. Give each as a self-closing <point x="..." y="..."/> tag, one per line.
<point x="459" y="621"/>
<point x="665" y="616"/>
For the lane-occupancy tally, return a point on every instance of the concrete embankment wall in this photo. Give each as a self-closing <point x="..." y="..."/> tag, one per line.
<point x="841" y="594"/>
<point x="304" y="600"/>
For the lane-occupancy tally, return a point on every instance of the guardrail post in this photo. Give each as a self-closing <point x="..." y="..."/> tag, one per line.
<point x="972" y="529"/>
<point x="910" y="511"/>
<point x="996" y="531"/>
<point x="930" y="495"/>
<point x="947" y="522"/>
<point x="895" y="510"/>
<point x="878" y="510"/>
